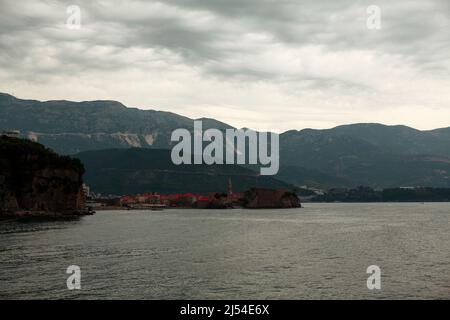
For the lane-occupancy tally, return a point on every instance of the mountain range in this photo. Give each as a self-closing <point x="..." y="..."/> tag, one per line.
<point x="368" y="154"/>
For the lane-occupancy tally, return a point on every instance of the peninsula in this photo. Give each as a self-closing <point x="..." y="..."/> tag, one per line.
<point x="35" y="181"/>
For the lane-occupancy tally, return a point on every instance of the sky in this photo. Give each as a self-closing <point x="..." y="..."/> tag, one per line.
<point x="261" y="64"/>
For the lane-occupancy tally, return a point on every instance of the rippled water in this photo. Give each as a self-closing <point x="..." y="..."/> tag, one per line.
<point x="318" y="252"/>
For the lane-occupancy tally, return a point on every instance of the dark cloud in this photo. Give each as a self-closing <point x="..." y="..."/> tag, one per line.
<point x="312" y="49"/>
<point x="174" y="25"/>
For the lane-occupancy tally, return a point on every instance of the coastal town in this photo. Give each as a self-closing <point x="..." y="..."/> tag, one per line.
<point x="255" y="198"/>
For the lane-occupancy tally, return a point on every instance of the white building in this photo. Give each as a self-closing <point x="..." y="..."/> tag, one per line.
<point x="11" y="133"/>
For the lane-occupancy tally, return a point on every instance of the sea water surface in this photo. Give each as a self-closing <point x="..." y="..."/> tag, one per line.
<point x="321" y="251"/>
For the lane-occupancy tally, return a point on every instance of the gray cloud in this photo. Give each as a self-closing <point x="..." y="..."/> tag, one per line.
<point x="202" y="58"/>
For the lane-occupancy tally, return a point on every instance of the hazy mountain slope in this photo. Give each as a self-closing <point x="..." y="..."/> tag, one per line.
<point x="352" y="160"/>
<point x="397" y="139"/>
<point x="443" y="134"/>
<point x="300" y="176"/>
<point x="137" y="170"/>
<point x="324" y="150"/>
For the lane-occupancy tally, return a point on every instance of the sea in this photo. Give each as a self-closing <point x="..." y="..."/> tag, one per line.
<point x="321" y="251"/>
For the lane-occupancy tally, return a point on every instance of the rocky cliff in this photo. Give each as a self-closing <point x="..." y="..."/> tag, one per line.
<point x="36" y="181"/>
<point x="257" y="198"/>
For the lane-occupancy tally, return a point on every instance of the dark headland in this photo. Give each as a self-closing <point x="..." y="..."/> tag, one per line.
<point x="37" y="182"/>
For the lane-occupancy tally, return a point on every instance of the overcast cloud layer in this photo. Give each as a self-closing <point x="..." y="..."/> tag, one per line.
<point x="263" y="64"/>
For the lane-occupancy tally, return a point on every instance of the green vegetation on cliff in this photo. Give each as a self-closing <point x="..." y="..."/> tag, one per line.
<point x="34" y="178"/>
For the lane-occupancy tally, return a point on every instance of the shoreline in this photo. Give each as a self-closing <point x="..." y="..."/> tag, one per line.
<point x="45" y="214"/>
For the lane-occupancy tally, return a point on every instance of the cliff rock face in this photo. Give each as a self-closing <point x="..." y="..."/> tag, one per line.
<point x="257" y="198"/>
<point x="35" y="179"/>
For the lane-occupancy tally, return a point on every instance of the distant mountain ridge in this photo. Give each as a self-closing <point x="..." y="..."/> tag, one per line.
<point x="72" y="127"/>
<point x="369" y="154"/>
